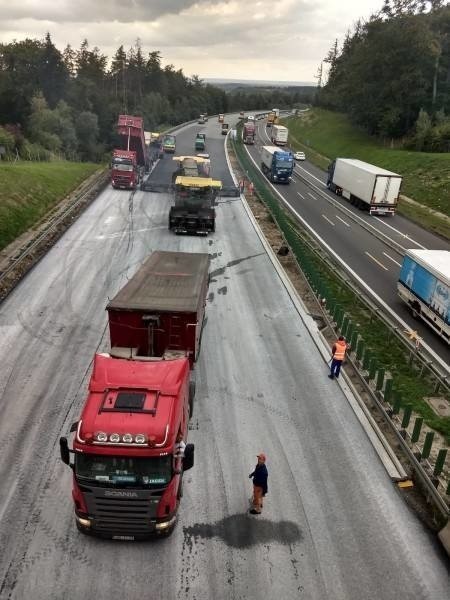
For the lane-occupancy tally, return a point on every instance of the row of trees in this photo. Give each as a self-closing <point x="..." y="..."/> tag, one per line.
<point x="67" y="102"/>
<point x="392" y="69"/>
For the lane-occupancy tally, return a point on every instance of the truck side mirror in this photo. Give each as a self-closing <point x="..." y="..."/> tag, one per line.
<point x="64" y="449"/>
<point x="188" y="460"/>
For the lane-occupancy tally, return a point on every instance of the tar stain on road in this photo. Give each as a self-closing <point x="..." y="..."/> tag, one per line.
<point x="233" y="263"/>
<point x="244" y="531"/>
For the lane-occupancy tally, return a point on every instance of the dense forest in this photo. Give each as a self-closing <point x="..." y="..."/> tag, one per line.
<point x="66" y="103"/>
<point x="392" y="74"/>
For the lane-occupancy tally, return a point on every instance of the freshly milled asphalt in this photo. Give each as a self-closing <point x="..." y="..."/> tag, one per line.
<point x="333" y="527"/>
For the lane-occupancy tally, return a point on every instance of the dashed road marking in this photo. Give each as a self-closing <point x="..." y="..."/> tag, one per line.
<point x="327" y="219"/>
<point x="390" y="258"/>
<point x="377" y="261"/>
<point x="345" y="222"/>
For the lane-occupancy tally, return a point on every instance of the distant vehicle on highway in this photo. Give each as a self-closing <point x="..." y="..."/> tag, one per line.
<point x="299" y="156"/>
<point x="250" y="118"/>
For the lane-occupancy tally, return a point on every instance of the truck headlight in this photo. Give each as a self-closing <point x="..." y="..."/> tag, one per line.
<point x="83" y="522"/>
<point x="165" y="524"/>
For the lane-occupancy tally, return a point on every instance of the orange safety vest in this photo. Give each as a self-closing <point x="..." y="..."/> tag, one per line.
<point x="339" y="353"/>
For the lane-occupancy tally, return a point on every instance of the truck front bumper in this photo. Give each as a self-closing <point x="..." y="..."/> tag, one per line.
<point x="122" y="531"/>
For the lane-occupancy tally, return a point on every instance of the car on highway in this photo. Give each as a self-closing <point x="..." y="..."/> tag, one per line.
<point x="299" y="156"/>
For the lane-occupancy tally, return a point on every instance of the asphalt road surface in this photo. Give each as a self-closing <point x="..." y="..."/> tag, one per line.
<point x="333" y="527"/>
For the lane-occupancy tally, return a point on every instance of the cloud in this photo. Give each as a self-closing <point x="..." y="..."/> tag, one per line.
<point x="212" y="38"/>
<point x="123" y="11"/>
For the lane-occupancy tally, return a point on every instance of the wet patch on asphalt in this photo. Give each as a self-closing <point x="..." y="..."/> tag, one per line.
<point x="245" y="531"/>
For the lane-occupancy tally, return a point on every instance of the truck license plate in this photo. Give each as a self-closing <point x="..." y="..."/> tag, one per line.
<point x="124" y="537"/>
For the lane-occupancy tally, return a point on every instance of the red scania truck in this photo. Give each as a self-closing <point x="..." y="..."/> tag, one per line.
<point x="127" y="474"/>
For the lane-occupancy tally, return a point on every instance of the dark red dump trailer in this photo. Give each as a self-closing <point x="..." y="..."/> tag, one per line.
<point x="159" y="312"/>
<point x="131" y="132"/>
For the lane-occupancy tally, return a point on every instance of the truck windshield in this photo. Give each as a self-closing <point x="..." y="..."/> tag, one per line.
<point x="284" y="164"/>
<point x="122" y="167"/>
<point x="123" y="471"/>
<point x="169" y="140"/>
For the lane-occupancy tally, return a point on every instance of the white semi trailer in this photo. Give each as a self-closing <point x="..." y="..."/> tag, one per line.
<point x="365" y="185"/>
<point x="279" y="135"/>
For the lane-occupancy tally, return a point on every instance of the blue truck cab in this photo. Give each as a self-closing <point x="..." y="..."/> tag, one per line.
<point x="276" y="164"/>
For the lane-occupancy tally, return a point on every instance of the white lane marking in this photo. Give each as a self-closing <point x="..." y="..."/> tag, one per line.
<point x="349" y="270"/>
<point x="312" y="196"/>
<point x="345" y="222"/>
<point x="377" y="261"/>
<point x="327" y="219"/>
<point x="293" y="180"/>
<point x="403" y="235"/>
<point x="390" y="258"/>
<point x="302" y="197"/>
<point x="311" y="175"/>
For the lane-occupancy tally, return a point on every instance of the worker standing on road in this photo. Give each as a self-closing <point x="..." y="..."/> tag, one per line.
<point x="259" y="475"/>
<point x="338" y="354"/>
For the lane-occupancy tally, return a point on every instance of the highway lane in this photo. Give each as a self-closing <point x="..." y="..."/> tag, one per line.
<point x="334" y="526"/>
<point x="400" y="229"/>
<point x="373" y="261"/>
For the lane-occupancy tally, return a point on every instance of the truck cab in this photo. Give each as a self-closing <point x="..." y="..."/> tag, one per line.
<point x="200" y="142"/>
<point x="169" y="143"/>
<point x="124" y="170"/>
<point x="221" y="117"/>
<point x="127" y="476"/>
<point x="225" y="128"/>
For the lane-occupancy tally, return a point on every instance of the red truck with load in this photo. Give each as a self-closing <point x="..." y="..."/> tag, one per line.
<point x="124" y="170"/>
<point x="128" y="461"/>
<point x="248" y="132"/>
<point x="130" y="131"/>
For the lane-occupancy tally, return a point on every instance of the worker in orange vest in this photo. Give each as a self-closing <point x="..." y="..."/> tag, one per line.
<point x="338" y="354"/>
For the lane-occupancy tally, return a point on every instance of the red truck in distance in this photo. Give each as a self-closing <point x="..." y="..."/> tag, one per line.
<point x="127" y="475"/>
<point x="130" y="131"/>
<point x="248" y="132"/>
<point x="124" y="170"/>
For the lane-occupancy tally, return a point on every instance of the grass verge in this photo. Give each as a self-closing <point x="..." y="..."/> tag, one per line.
<point x="324" y="135"/>
<point x="29" y="190"/>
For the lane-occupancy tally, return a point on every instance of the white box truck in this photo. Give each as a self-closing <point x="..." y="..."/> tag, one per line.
<point x="279" y="135"/>
<point x="366" y="186"/>
<point x="424" y="284"/>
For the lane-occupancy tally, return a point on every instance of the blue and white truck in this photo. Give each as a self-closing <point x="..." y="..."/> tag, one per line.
<point x="276" y="164"/>
<point x="424" y="284"/>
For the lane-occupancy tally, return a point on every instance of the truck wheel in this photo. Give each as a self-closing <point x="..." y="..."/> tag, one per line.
<point x="415" y="310"/>
<point x="191" y="398"/>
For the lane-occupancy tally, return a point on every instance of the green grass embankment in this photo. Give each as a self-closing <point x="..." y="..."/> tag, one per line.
<point x="28" y="190"/>
<point x="325" y="135"/>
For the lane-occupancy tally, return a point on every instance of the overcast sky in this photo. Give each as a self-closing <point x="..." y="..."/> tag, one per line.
<point x="282" y="40"/>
